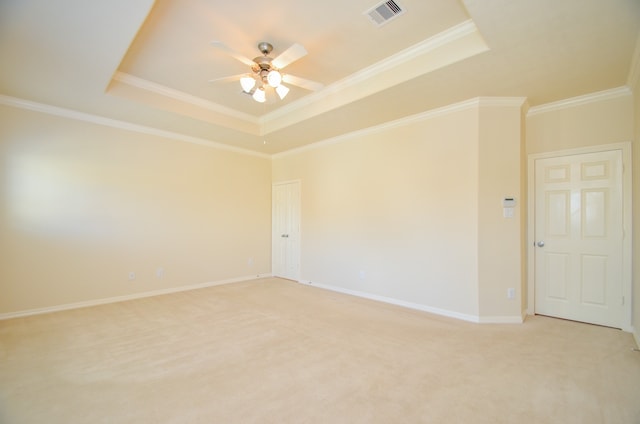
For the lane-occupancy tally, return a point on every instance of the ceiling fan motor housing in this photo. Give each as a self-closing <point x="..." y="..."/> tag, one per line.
<point x="265" y="48"/>
<point x="263" y="63"/>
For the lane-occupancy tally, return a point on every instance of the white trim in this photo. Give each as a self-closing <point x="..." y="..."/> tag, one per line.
<point x="467" y="104"/>
<point x="423" y="116"/>
<point x="116" y="299"/>
<point x="627" y="260"/>
<point x="113" y="123"/>
<point x="424" y="47"/>
<point x="443" y="38"/>
<point x="393" y="301"/>
<point x="181" y="96"/>
<point x="636" y="336"/>
<point x="580" y="100"/>
<point x="99" y="120"/>
<point x="408" y="120"/>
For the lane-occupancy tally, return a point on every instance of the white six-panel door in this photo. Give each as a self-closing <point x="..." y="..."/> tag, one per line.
<point x="285" y="236"/>
<point x="579" y="237"/>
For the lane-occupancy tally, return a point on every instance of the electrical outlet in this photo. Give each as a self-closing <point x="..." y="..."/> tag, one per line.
<point x="132" y="275"/>
<point x="511" y="293"/>
<point x="160" y="273"/>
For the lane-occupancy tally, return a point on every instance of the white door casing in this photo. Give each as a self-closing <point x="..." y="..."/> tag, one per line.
<point x="285" y="236"/>
<point x="578" y="254"/>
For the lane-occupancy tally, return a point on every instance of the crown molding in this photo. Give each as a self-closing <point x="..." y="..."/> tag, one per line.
<point x="580" y="100"/>
<point x="419" y="117"/>
<point x="181" y="96"/>
<point x="424" y="47"/>
<point x="423" y="116"/>
<point x="114" y="123"/>
<point x="265" y="122"/>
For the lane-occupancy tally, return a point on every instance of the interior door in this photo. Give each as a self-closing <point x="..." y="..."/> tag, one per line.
<point x="285" y="236"/>
<point x="579" y="237"/>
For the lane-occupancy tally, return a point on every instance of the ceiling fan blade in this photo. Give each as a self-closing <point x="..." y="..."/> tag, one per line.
<point x="289" y="56"/>
<point x="301" y="82"/>
<point x="228" y="79"/>
<point x="221" y="46"/>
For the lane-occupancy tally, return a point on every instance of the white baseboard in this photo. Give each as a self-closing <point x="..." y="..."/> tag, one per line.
<point x="420" y="307"/>
<point x="115" y="299"/>
<point x="636" y="336"/>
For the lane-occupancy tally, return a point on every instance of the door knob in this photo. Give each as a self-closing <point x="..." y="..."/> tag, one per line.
<point x="540" y="243"/>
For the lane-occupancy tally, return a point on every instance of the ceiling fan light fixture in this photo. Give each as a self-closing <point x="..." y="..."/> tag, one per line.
<point x="282" y="91"/>
<point x="264" y="71"/>
<point x="259" y="95"/>
<point x="274" y="78"/>
<point x="247" y="83"/>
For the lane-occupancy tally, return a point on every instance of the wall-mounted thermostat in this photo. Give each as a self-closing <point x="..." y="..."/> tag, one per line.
<point x="508" y="205"/>
<point x="509" y="202"/>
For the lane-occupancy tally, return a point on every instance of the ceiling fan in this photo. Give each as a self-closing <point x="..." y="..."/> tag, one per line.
<point x="266" y="72"/>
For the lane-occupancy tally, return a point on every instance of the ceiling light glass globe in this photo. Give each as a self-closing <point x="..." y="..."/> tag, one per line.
<point x="247" y="83"/>
<point x="282" y="91"/>
<point x="274" y="78"/>
<point x="259" y="95"/>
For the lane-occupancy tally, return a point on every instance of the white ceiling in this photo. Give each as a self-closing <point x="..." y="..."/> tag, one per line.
<point x="149" y="63"/>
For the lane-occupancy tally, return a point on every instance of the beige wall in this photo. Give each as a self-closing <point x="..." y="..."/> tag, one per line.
<point x="397" y="213"/>
<point x="594" y="123"/>
<point x="583" y="125"/>
<point x="82" y="205"/>
<point x="524" y="210"/>
<point x="636" y="210"/>
<point x="397" y="205"/>
<point x="499" y="238"/>
<point x="411" y="212"/>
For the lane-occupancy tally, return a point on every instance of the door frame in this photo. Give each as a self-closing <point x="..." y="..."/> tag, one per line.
<point x="627" y="264"/>
<point x="299" y="244"/>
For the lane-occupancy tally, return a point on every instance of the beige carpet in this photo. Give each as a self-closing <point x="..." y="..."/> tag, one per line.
<point x="273" y="351"/>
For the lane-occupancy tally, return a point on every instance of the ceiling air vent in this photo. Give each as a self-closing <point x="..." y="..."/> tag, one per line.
<point x="384" y="12"/>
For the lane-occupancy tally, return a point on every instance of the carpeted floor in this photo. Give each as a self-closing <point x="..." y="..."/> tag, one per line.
<point x="273" y="351"/>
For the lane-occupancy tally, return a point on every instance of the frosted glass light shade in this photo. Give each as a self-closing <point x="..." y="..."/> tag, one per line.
<point x="247" y="83"/>
<point x="282" y="91"/>
<point x="274" y="78"/>
<point x="259" y="95"/>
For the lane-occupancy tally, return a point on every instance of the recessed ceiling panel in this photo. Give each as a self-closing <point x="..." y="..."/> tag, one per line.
<point x="173" y="48"/>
